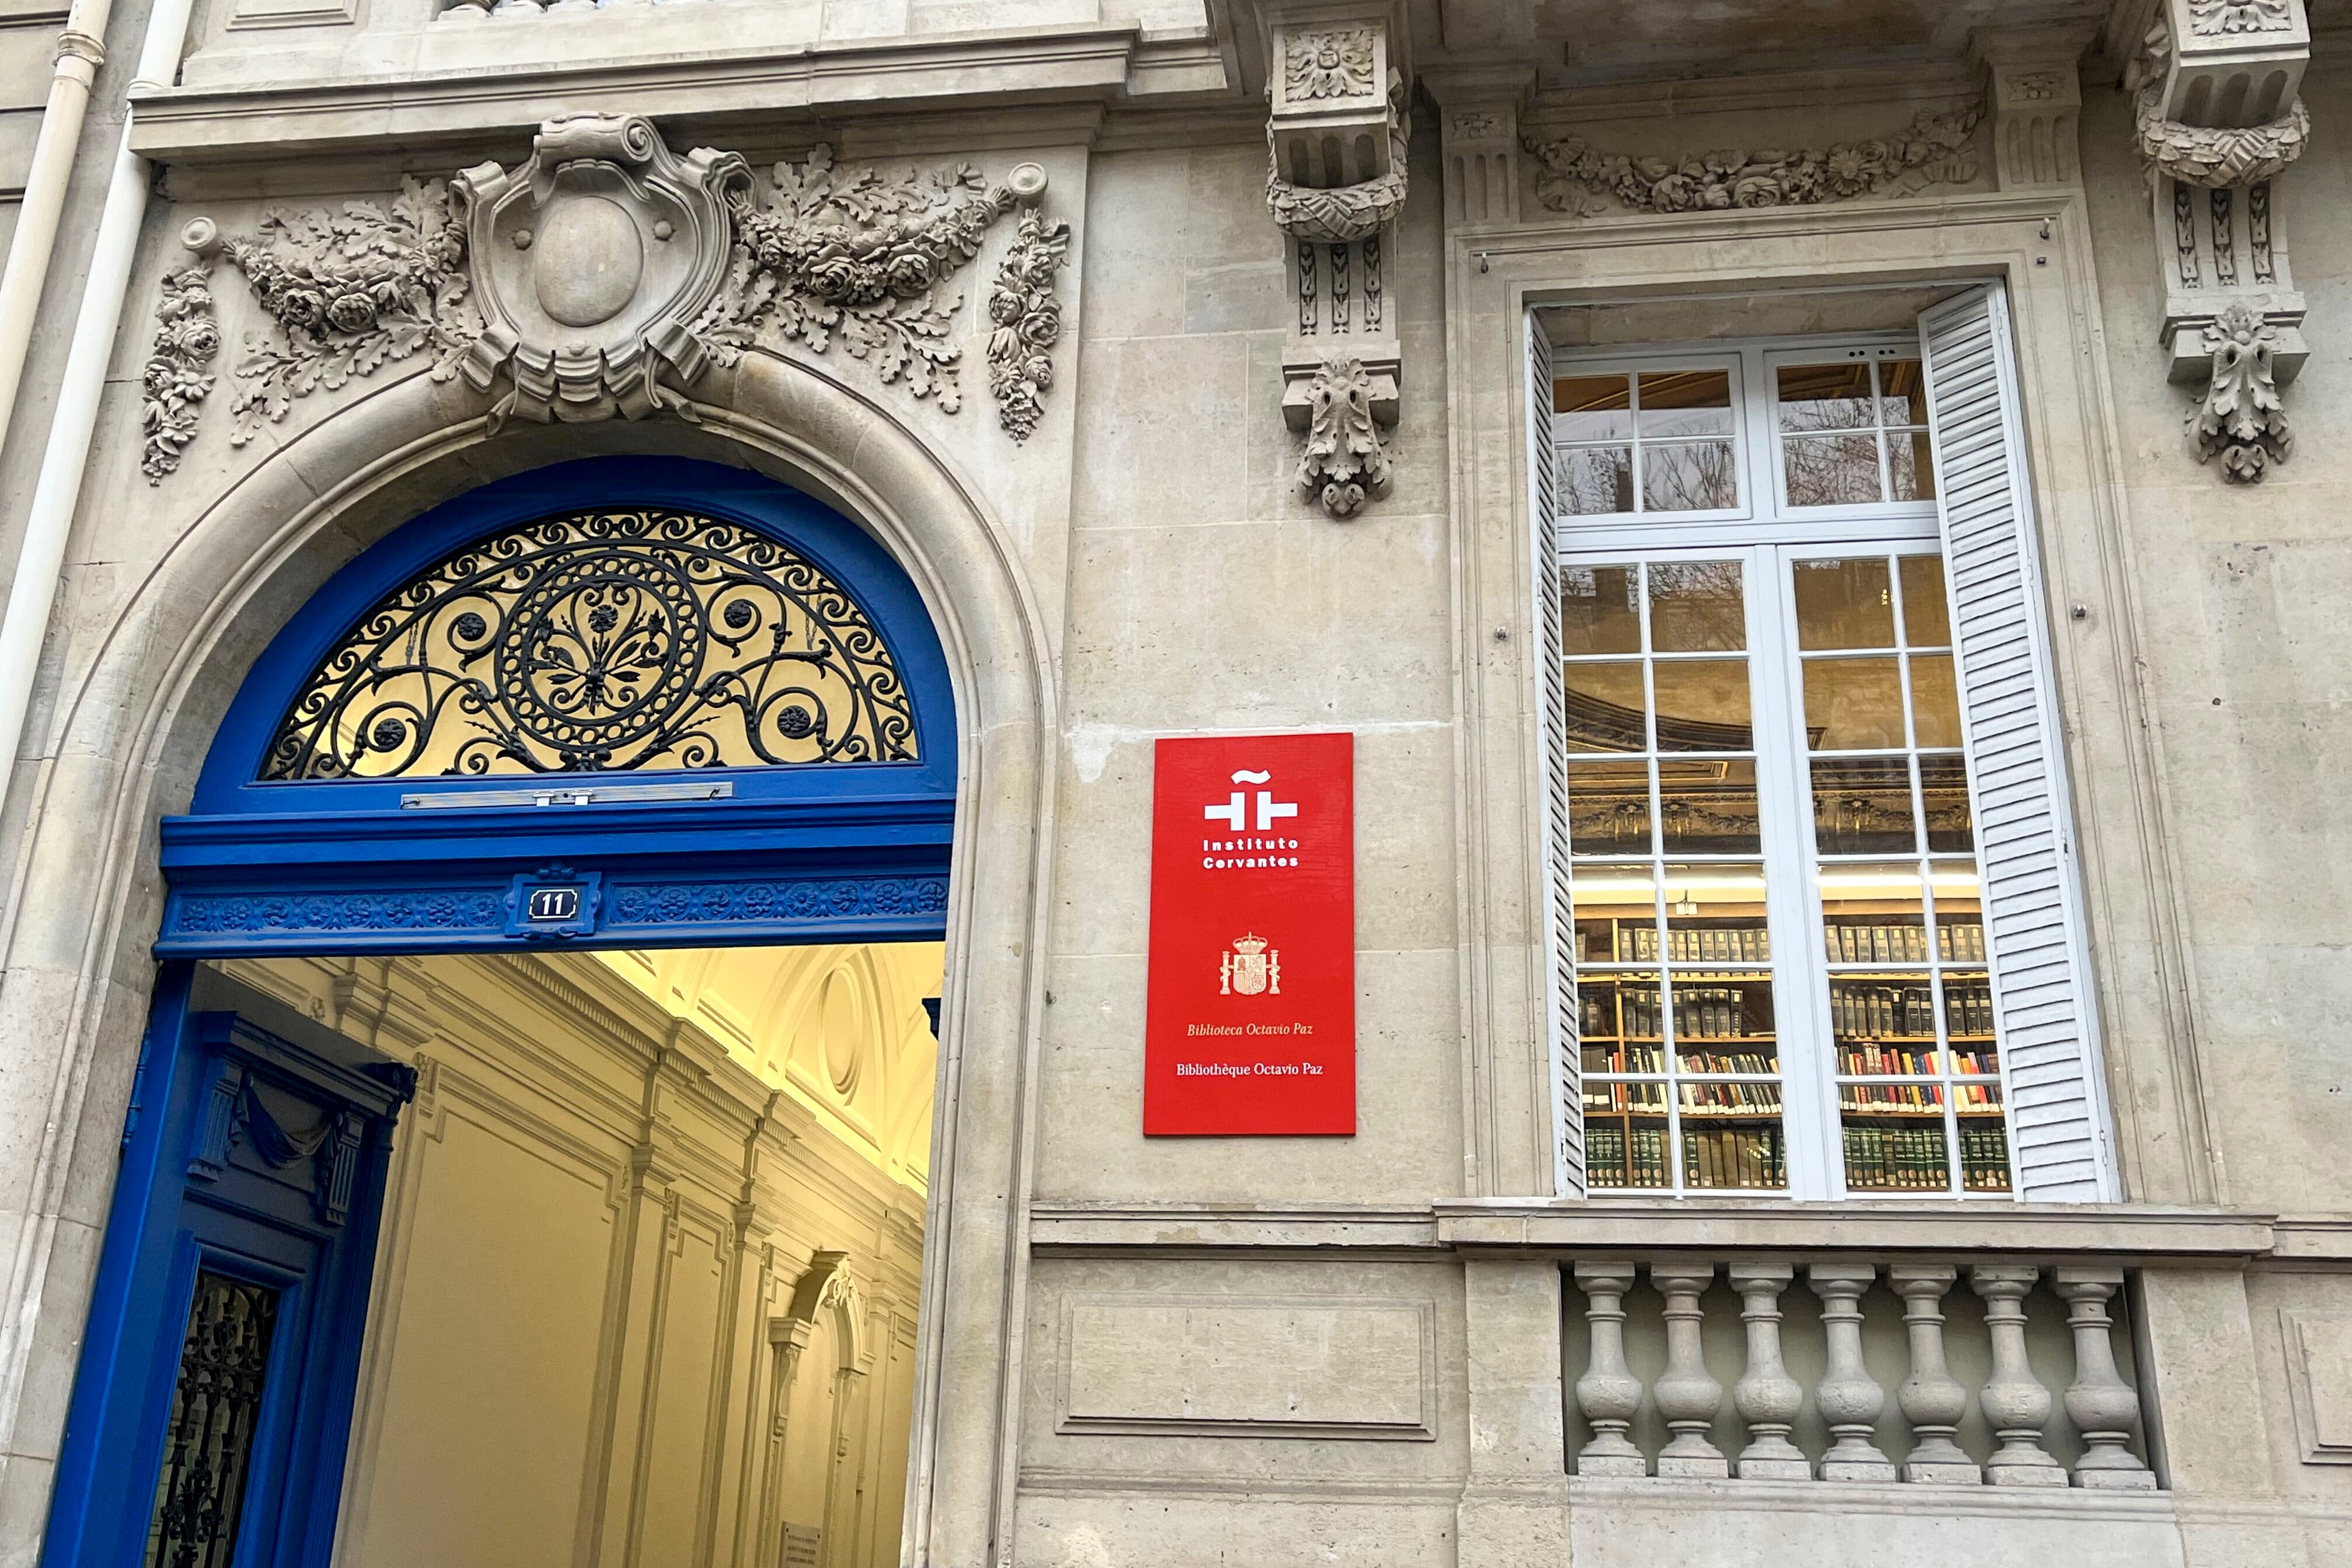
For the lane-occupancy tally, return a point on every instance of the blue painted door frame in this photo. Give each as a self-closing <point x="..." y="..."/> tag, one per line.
<point x="212" y="1180"/>
<point x="825" y="852"/>
<point x="831" y="851"/>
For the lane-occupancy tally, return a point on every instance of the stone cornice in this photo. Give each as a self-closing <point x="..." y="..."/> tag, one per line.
<point x="815" y="84"/>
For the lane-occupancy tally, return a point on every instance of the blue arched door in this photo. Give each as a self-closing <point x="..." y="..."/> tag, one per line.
<point x="618" y="702"/>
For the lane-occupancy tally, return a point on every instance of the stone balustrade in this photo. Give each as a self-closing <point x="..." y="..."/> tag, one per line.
<point x="1787" y="1369"/>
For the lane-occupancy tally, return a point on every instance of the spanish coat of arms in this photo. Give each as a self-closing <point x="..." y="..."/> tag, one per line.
<point x="1249" y="969"/>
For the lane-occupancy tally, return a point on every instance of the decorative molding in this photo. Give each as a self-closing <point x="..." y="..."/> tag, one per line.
<point x="176" y="380"/>
<point x="2217" y="117"/>
<point x="1340" y="214"/>
<point x="1330" y="62"/>
<point x="469" y="909"/>
<point x="2319" y="1347"/>
<point x="603" y="276"/>
<point x="1026" y="308"/>
<point x="1937" y="148"/>
<point x="1344" y="463"/>
<point x="673" y="904"/>
<point x="2240" y="418"/>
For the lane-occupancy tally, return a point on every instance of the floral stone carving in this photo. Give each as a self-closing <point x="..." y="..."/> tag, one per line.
<point x="1935" y="148"/>
<point x="1336" y="62"/>
<point x="1340" y="214"/>
<point x="2214" y="17"/>
<point x="2241" y="419"/>
<point x="1344" y="463"/>
<point x="176" y="380"/>
<point x="602" y="276"/>
<point x="2213" y="157"/>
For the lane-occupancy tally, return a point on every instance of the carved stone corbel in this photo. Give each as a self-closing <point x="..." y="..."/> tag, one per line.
<point x="2217" y="117"/>
<point x="2037" y="103"/>
<point x="1335" y="179"/>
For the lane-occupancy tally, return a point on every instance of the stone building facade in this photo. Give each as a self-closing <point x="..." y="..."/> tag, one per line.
<point x="1793" y="503"/>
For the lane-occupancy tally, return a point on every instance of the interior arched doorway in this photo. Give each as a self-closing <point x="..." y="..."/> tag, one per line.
<point x="329" y="827"/>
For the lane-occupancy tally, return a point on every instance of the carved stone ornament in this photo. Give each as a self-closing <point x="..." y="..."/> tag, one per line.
<point x="1935" y="148"/>
<point x="1340" y="214"/>
<point x="592" y="259"/>
<point x="603" y="276"/>
<point x="2212" y="17"/>
<point x="2210" y="156"/>
<point x="1344" y="463"/>
<point x="2241" y="419"/>
<point x="1336" y="62"/>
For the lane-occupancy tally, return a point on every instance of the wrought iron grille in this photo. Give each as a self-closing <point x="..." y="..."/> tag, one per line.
<point x="604" y="640"/>
<point x="215" y="1407"/>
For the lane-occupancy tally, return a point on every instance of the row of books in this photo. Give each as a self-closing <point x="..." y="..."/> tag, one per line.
<point x="1719" y="1157"/>
<point x="1701" y="1012"/>
<point x="1911" y="1160"/>
<point x="1858" y="942"/>
<point x="1860" y="1010"/>
<point x="1729" y="1061"/>
<point x="1618" y="1057"/>
<point x="1637" y="944"/>
<point x="1755" y="1097"/>
<point x="1875" y="1061"/>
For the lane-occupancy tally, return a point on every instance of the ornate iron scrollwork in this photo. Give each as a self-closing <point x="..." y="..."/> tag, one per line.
<point x="596" y="640"/>
<point x="215" y="1408"/>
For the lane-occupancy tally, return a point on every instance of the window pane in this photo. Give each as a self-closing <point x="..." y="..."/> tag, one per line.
<point x="1894" y="1137"/>
<point x="1627" y="1152"/>
<point x="1598" y="613"/>
<point x="1984" y="1137"/>
<point x="1609" y="808"/>
<point x="1596" y="481"/>
<point x="1697" y="607"/>
<point x="1606" y="710"/>
<point x="1884" y="1028"/>
<point x="1702" y="704"/>
<point x="1616" y="915"/>
<point x="1725" y="1145"/>
<point x="1844" y="604"/>
<point x="1723" y="1023"/>
<point x="1715" y="914"/>
<point x="1689" y="477"/>
<point x="1862" y="806"/>
<point x="1911" y="464"/>
<point x="1875" y="914"/>
<point x="1935" y="701"/>
<point x="1944" y="793"/>
<point x="1621" y="1024"/>
<point x="1902" y="395"/>
<point x="1830" y="470"/>
<point x="1927" y="613"/>
<point x="1824" y="397"/>
<point x="1709" y="808"/>
<point x="1592" y="408"/>
<point x="1851" y="704"/>
<point x="1686" y="402"/>
<point x="1967" y="1023"/>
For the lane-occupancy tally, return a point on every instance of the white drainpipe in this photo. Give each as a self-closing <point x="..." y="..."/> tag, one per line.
<point x="81" y="49"/>
<point x="33" y="595"/>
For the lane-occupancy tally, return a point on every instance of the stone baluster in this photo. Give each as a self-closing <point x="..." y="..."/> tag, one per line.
<point x="1766" y="1396"/>
<point x="1931" y="1399"/>
<point x="1850" y="1398"/>
<point x="1688" y="1395"/>
<point x="2102" y="1406"/>
<point x="1608" y="1393"/>
<point x="2015" y="1402"/>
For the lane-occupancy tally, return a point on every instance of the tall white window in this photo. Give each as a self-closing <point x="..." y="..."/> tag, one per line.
<point x="1785" y="975"/>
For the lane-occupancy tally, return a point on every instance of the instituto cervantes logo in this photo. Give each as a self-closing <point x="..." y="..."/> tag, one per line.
<point x="1249" y="969"/>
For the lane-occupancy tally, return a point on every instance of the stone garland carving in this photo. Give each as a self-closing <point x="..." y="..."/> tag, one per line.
<point x="1935" y="148"/>
<point x="1334" y="64"/>
<point x="176" y="380"/>
<point x="600" y="278"/>
<point x="1027" y="311"/>
<point x="2210" y="156"/>
<point x="1341" y="215"/>
<point x="1344" y="463"/>
<point x="2211" y="18"/>
<point x="2241" y="419"/>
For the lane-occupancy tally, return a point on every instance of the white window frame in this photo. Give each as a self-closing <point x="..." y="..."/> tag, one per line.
<point x="1768" y="535"/>
<point x="1687" y="358"/>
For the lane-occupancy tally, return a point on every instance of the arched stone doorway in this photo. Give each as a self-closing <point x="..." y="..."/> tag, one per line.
<point x="225" y="590"/>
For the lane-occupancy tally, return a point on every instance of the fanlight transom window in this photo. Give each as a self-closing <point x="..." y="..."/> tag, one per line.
<point x="610" y="639"/>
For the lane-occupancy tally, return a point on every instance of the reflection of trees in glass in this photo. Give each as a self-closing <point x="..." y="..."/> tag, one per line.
<point x="1696" y="605"/>
<point x="1596" y="481"/>
<point x="1696" y="476"/>
<point x="1833" y="470"/>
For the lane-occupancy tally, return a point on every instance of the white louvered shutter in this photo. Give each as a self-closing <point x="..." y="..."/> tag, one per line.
<point x="1560" y="929"/>
<point x="2017" y="778"/>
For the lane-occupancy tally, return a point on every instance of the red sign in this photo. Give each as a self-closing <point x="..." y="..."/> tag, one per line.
<point x="1251" y="1021"/>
